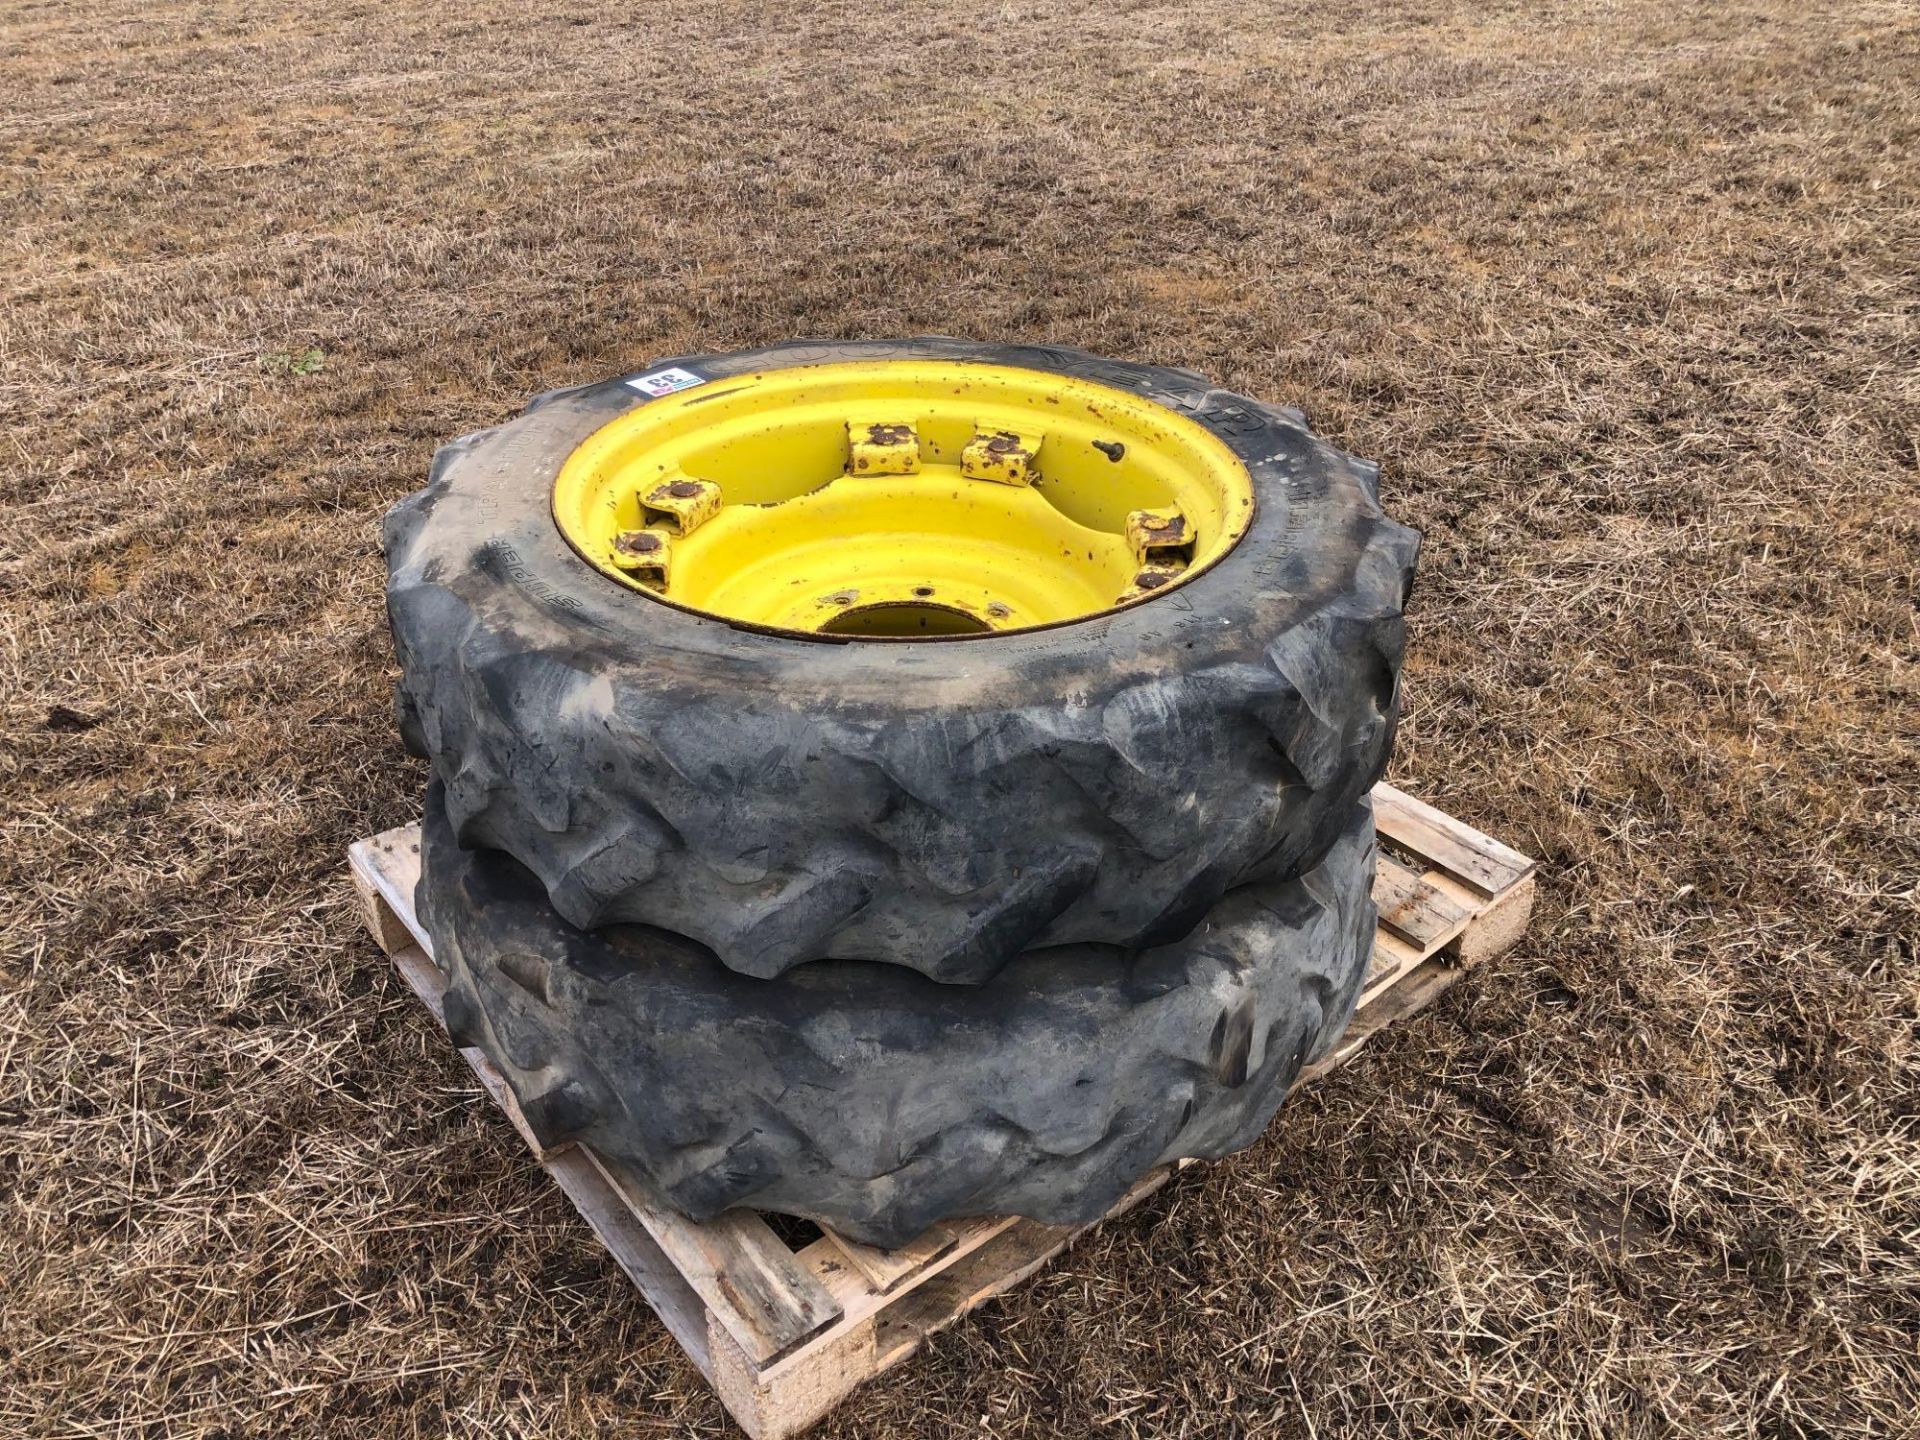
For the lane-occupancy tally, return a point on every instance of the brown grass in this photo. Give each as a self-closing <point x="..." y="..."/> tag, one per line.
<point x="1624" y="296"/>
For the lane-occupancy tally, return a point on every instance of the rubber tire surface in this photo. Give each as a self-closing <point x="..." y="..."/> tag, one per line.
<point x="941" y="805"/>
<point x="877" y="1101"/>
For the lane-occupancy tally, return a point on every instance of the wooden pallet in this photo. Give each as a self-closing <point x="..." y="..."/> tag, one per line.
<point x="784" y="1332"/>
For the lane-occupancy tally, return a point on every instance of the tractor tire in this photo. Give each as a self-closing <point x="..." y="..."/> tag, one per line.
<point x="871" y="1099"/>
<point x="942" y="806"/>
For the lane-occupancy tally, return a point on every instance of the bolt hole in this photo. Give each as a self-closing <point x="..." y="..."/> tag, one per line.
<point x="923" y="591"/>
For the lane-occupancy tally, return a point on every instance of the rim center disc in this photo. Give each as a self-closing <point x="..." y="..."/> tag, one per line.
<point x="902" y="499"/>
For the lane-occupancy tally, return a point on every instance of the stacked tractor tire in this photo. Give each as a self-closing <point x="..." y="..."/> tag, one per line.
<point x="883" y="925"/>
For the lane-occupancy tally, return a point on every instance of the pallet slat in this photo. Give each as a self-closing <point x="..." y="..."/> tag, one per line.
<point x="783" y="1336"/>
<point x="751" y="1282"/>
<point x="1481" y="861"/>
<point x="385" y="870"/>
<point x="887" y="1270"/>
<point x="651" y="1269"/>
<point x="1412" y="909"/>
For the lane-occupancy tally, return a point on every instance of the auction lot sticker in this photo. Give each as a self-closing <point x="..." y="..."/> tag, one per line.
<point x="664" y="382"/>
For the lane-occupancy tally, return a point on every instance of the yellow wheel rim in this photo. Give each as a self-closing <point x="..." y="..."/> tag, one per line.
<point x="902" y="499"/>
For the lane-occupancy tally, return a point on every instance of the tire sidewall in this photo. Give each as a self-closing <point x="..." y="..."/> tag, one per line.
<point x="490" y="504"/>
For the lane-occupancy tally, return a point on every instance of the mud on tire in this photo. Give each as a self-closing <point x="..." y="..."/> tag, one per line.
<point x="870" y="1098"/>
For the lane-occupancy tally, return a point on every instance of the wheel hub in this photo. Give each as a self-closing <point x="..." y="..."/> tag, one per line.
<point x="902" y="499"/>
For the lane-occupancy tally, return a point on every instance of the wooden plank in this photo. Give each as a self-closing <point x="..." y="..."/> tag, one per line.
<point x="887" y="1270"/>
<point x="858" y="1297"/>
<point x="1479" y="860"/>
<point x="1499" y="926"/>
<point x="835" y="1366"/>
<point x="389" y="931"/>
<point x="992" y="1270"/>
<point x="783" y="1401"/>
<point x="1392" y="958"/>
<point x="649" y="1267"/>
<point x="1420" y="913"/>
<point x="388" y="866"/>
<point x="778" y="1399"/>
<point x="767" y="1300"/>
<point x="1391" y="955"/>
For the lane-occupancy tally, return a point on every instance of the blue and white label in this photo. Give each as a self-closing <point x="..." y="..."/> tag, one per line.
<point x="664" y="382"/>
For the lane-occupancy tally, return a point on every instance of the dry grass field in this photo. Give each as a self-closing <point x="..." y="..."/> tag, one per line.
<point x="1625" y="297"/>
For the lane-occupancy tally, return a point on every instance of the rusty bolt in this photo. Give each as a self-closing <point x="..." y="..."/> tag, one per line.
<point x="636" y="542"/>
<point x="1151" y="579"/>
<point x="1002" y="456"/>
<point x="684" y="489"/>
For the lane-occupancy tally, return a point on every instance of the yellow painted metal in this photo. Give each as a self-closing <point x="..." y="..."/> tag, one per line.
<point x="1153" y="576"/>
<point x="1048" y="527"/>
<point x="1008" y="456"/>
<point x="1159" y="535"/>
<point x="642" y="556"/>
<point x="681" y="506"/>
<point x="880" y="447"/>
